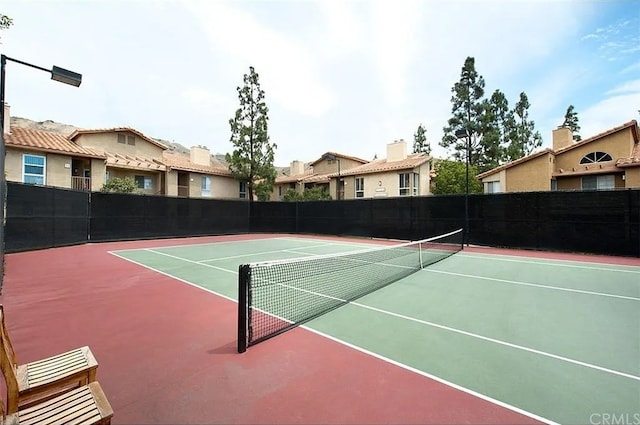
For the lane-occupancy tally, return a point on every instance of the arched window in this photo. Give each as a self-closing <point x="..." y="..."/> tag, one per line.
<point x="593" y="157"/>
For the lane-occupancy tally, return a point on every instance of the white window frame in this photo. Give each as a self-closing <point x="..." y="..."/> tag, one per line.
<point x="243" y="190"/>
<point x="602" y="182"/>
<point x="493" y="187"/>
<point x="404" y="184"/>
<point x="206" y="186"/>
<point x="147" y="182"/>
<point x="595" y="157"/>
<point x="359" y="187"/>
<point x="416" y="184"/>
<point x="27" y="175"/>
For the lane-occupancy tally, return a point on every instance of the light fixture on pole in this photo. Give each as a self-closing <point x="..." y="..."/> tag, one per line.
<point x="332" y="157"/>
<point x="58" y="74"/>
<point x="464" y="133"/>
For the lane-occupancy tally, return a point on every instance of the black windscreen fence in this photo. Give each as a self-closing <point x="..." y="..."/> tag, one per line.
<point x="599" y="222"/>
<point x="126" y="216"/>
<point x="276" y="217"/>
<point x="44" y="217"/>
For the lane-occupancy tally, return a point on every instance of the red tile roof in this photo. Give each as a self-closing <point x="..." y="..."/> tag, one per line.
<point x="284" y="178"/>
<point x="79" y="132"/>
<point x="382" y="165"/>
<point x="183" y="163"/>
<point x="134" y="162"/>
<point x="339" y="156"/>
<point x="45" y="141"/>
<point x="634" y="159"/>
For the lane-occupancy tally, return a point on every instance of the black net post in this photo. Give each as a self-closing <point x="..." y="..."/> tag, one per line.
<point x="244" y="274"/>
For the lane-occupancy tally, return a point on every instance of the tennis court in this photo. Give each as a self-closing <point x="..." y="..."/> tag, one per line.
<point x="554" y="340"/>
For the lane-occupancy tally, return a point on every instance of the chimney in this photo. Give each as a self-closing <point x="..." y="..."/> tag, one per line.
<point x="297" y="168"/>
<point x="6" y="125"/>
<point x="200" y="155"/>
<point x="562" y="137"/>
<point x="397" y="151"/>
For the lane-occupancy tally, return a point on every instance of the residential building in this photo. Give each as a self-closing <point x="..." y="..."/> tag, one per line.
<point x="399" y="174"/>
<point x="200" y="175"/>
<point x="87" y="158"/>
<point x="47" y="158"/>
<point x="301" y="177"/>
<point x="129" y="153"/>
<point x="609" y="160"/>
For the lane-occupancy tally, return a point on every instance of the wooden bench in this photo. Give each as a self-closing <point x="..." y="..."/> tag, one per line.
<point x="86" y="405"/>
<point x="45" y="378"/>
<point x="57" y="390"/>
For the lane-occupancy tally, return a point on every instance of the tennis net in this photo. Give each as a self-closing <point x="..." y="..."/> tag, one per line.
<point x="275" y="296"/>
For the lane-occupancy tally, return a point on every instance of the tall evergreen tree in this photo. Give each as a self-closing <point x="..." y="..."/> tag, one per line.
<point x="251" y="162"/>
<point x="420" y="143"/>
<point x="467" y="109"/>
<point x="524" y="138"/>
<point x="571" y="121"/>
<point x="5" y="22"/>
<point x="497" y="128"/>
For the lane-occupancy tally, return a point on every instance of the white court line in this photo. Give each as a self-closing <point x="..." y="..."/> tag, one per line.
<point x="175" y="277"/>
<point x="263" y="253"/>
<point x="459" y="331"/>
<point x="364" y="351"/>
<point x="500" y="342"/>
<point x="435" y="378"/>
<point x="552" y="262"/>
<point x="514" y="282"/>
<point x="189" y="261"/>
<point x="202" y="244"/>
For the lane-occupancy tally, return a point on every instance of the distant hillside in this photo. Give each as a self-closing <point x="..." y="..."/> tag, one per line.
<point x="52" y="126"/>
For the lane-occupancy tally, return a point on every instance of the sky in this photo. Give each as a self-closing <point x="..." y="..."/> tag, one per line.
<point x="345" y="76"/>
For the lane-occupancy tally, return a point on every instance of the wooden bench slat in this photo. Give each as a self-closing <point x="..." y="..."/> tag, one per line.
<point x="85" y="405"/>
<point x="62" y="371"/>
<point x="59" y="403"/>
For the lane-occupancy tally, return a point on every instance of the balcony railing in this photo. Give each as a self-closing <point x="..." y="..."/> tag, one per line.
<point x="81" y="183"/>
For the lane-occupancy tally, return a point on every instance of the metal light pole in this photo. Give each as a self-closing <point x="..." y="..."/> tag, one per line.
<point x="332" y="157"/>
<point x="58" y="74"/>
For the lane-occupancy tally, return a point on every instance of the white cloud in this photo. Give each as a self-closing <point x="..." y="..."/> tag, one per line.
<point x="283" y="64"/>
<point x="344" y="27"/>
<point x="394" y="35"/>
<point x="628" y="86"/>
<point x="609" y="113"/>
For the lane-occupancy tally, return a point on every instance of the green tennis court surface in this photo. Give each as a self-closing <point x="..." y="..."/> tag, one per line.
<point x="558" y="340"/>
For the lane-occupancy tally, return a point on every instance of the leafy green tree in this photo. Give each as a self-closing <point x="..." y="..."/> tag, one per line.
<point x="316" y="193"/>
<point x="120" y="185"/>
<point x="571" y="121"/>
<point x="420" y="143"/>
<point x="468" y="110"/>
<point x="251" y="161"/>
<point x="291" y="195"/>
<point x="524" y="137"/>
<point x="451" y="178"/>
